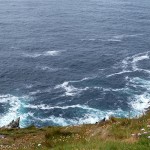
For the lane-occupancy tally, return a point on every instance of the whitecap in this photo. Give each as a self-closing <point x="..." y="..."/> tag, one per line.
<point x="28" y="86"/>
<point x="50" y="69"/>
<point x="137" y="58"/>
<point x="130" y="64"/>
<point x="119" y="38"/>
<point x="122" y="36"/>
<point x="14" y="111"/>
<point x="141" y="102"/>
<point x="132" y="61"/>
<point x="46" y="53"/>
<point x="32" y="55"/>
<point x="35" y="92"/>
<point x="70" y="90"/>
<point x="56" y="120"/>
<point x="46" y="68"/>
<point x="47" y="90"/>
<point x="90" y="39"/>
<point x="141" y="82"/>
<point x="91" y="116"/>
<point x="114" y="40"/>
<point x="51" y="53"/>
<point x="48" y="107"/>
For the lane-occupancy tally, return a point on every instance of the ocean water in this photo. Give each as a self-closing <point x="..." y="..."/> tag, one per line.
<point x="68" y="62"/>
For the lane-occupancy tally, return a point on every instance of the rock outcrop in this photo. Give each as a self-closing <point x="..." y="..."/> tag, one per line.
<point x="13" y="124"/>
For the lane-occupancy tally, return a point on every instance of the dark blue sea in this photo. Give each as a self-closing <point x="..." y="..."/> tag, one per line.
<point x="69" y="62"/>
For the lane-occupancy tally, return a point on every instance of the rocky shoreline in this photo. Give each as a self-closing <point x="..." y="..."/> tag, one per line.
<point x="13" y="124"/>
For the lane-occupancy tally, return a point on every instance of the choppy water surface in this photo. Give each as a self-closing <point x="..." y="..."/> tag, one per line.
<point x="65" y="62"/>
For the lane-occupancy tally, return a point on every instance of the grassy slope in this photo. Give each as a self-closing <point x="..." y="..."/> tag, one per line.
<point x="114" y="134"/>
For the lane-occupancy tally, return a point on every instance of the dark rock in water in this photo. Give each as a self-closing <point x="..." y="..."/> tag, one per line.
<point x="13" y="124"/>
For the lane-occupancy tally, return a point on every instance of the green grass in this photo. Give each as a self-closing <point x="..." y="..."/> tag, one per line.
<point x="114" y="134"/>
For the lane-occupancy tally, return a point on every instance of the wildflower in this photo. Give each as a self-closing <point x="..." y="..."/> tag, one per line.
<point x="139" y="134"/>
<point x="39" y="144"/>
<point x="143" y="129"/>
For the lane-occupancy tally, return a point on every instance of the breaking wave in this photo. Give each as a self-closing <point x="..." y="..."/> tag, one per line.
<point x="14" y="109"/>
<point x="130" y="64"/>
<point x="138" y="86"/>
<point x="140" y="101"/>
<point x="70" y="90"/>
<point x="91" y="115"/>
<point x="137" y="89"/>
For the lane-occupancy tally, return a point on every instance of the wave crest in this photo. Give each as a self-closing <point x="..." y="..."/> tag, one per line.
<point x="15" y="105"/>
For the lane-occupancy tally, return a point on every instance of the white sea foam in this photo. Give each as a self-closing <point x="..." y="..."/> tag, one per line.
<point x="14" y="110"/>
<point x="118" y="73"/>
<point x="119" y="38"/>
<point x="46" y="53"/>
<point x="130" y="64"/>
<point x="51" y="53"/>
<point x="46" y="68"/>
<point x="76" y="81"/>
<point x="35" y="92"/>
<point x="141" y="102"/>
<point x="56" y="120"/>
<point x="134" y="60"/>
<point x="48" y="107"/>
<point x="114" y="40"/>
<point x="90" y="39"/>
<point x="138" y="102"/>
<point x="122" y="36"/>
<point x="92" y="115"/>
<point x="70" y="90"/>
<point x="141" y="82"/>
<point x="144" y="70"/>
<point x="47" y="90"/>
<point x="28" y="86"/>
<point x="84" y="79"/>
<point x="138" y="58"/>
<point x="50" y="69"/>
<point x="32" y="55"/>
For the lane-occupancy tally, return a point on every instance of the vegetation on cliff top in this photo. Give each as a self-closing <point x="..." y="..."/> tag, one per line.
<point x="115" y="134"/>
